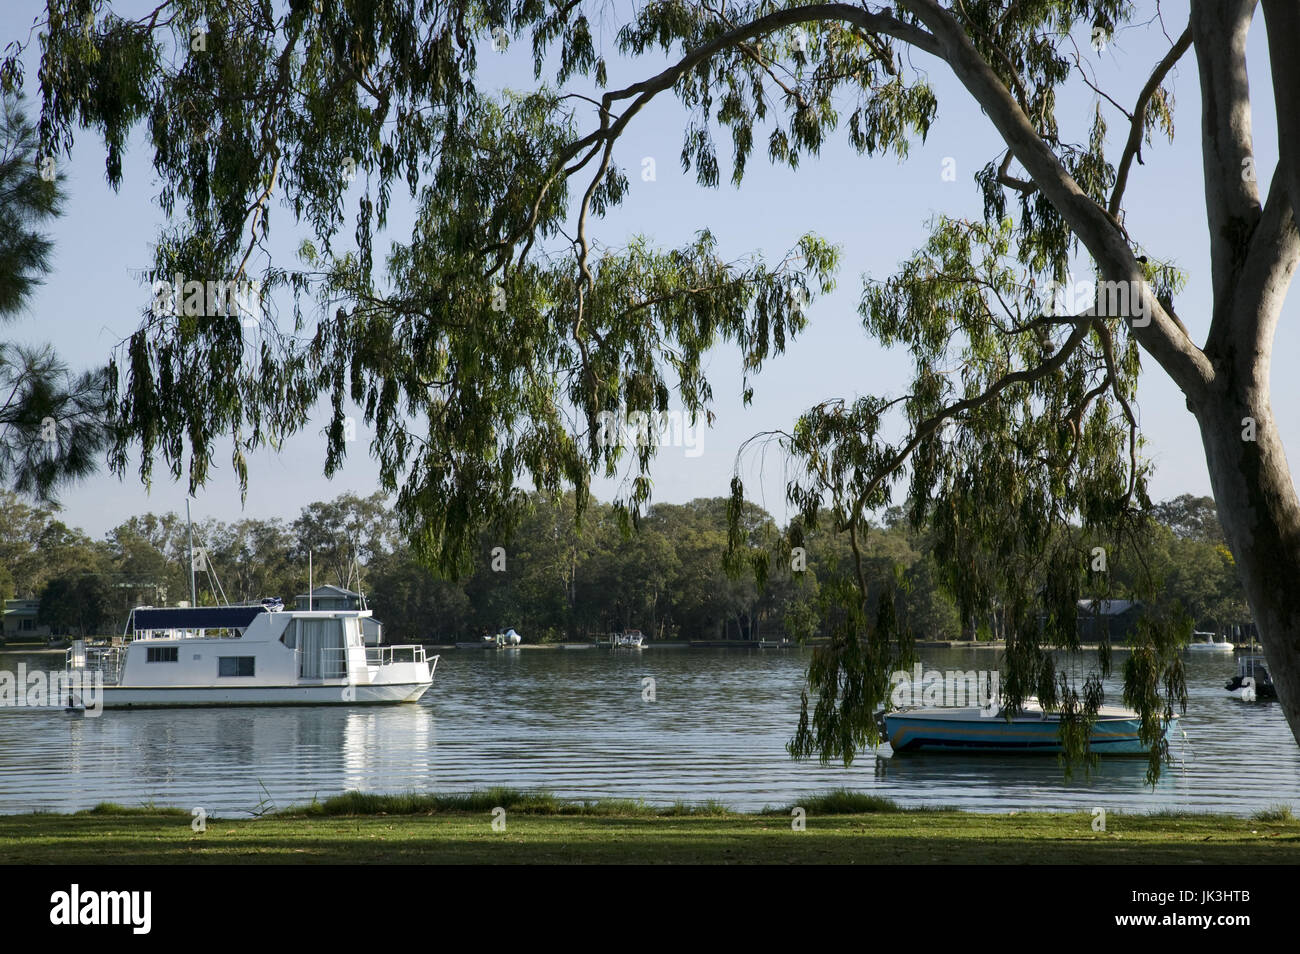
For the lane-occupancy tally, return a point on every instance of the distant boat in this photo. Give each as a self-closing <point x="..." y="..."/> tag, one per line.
<point x="507" y="640"/>
<point x="969" y="730"/>
<point x="1252" y="682"/>
<point x="1210" y="644"/>
<point x="628" y="639"/>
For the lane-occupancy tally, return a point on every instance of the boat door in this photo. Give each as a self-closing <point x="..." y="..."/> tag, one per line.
<point x="321" y="649"/>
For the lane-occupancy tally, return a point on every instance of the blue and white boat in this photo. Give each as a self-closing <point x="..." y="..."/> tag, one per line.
<point x="1030" y="730"/>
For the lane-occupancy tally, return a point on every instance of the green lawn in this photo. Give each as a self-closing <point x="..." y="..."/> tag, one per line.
<point x="539" y="829"/>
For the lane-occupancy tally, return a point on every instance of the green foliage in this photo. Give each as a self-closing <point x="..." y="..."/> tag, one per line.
<point x="51" y="420"/>
<point x="1278" y="813"/>
<point x="28" y="203"/>
<point x="512" y="800"/>
<point x="114" y="809"/>
<point x="77" y="604"/>
<point x="840" y="801"/>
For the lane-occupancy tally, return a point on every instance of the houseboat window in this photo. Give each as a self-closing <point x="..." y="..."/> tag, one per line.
<point x="235" y="665"/>
<point x="163" y="654"/>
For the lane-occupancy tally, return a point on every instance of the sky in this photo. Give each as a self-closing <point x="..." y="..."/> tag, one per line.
<point x="875" y="209"/>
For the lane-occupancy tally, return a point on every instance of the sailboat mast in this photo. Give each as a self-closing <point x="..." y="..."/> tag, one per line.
<point x="189" y="529"/>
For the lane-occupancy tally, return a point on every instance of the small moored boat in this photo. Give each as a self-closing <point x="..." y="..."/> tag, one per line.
<point x="1252" y="682"/>
<point x="1209" y="643"/>
<point x="971" y="729"/>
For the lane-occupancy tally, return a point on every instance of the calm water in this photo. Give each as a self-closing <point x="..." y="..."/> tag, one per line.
<point x="574" y="723"/>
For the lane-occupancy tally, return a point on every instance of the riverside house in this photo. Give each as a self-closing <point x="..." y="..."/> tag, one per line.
<point x="20" y="621"/>
<point x="1115" y="618"/>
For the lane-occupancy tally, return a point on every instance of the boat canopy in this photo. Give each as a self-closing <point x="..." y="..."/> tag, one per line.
<point x="194" y="617"/>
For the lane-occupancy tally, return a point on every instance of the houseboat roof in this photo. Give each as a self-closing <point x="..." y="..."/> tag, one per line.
<point x="327" y="591"/>
<point x="193" y="617"/>
<point x="1108" y="607"/>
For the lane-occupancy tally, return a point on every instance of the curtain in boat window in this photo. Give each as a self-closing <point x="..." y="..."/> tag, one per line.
<point x="320" y="642"/>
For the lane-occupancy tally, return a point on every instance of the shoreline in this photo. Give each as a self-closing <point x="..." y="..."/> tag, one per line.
<point x="506" y="826"/>
<point x="37" y="650"/>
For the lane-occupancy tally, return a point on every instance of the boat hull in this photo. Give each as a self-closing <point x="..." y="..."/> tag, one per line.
<point x="172" y="697"/>
<point x="910" y="732"/>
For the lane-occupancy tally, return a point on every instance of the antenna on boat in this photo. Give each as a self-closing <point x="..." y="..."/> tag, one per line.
<point x="199" y="560"/>
<point x="309" y="579"/>
<point x="356" y="563"/>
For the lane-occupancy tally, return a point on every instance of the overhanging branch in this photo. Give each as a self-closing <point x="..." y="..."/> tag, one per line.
<point x="1082" y="325"/>
<point x="1133" y="148"/>
<point x="643" y="92"/>
<point x="1163" y="337"/>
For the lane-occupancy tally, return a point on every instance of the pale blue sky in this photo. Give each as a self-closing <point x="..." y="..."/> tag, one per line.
<point x="875" y="209"/>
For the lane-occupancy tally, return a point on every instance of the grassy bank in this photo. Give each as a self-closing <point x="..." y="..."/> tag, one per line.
<point x="841" y="827"/>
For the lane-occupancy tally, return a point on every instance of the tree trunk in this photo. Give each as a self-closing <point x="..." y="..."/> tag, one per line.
<point x="1260" y="514"/>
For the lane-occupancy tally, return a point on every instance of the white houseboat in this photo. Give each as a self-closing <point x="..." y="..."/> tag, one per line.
<point x="251" y="655"/>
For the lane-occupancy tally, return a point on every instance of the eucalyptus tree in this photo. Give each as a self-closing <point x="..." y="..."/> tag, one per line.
<point x="493" y="346"/>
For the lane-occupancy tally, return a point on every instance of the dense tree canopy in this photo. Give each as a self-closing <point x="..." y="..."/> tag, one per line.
<point x="487" y="348"/>
<point x="557" y="581"/>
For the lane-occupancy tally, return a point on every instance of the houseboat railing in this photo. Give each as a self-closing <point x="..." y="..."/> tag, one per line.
<point x="105" y="660"/>
<point x="333" y="662"/>
<point x="387" y="655"/>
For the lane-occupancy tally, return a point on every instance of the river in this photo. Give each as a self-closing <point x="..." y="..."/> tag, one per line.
<point x="579" y="724"/>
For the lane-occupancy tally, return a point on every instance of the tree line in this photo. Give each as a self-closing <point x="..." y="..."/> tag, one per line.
<point x="556" y="577"/>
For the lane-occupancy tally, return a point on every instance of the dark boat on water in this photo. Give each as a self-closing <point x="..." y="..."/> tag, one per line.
<point x="1252" y="681"/>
